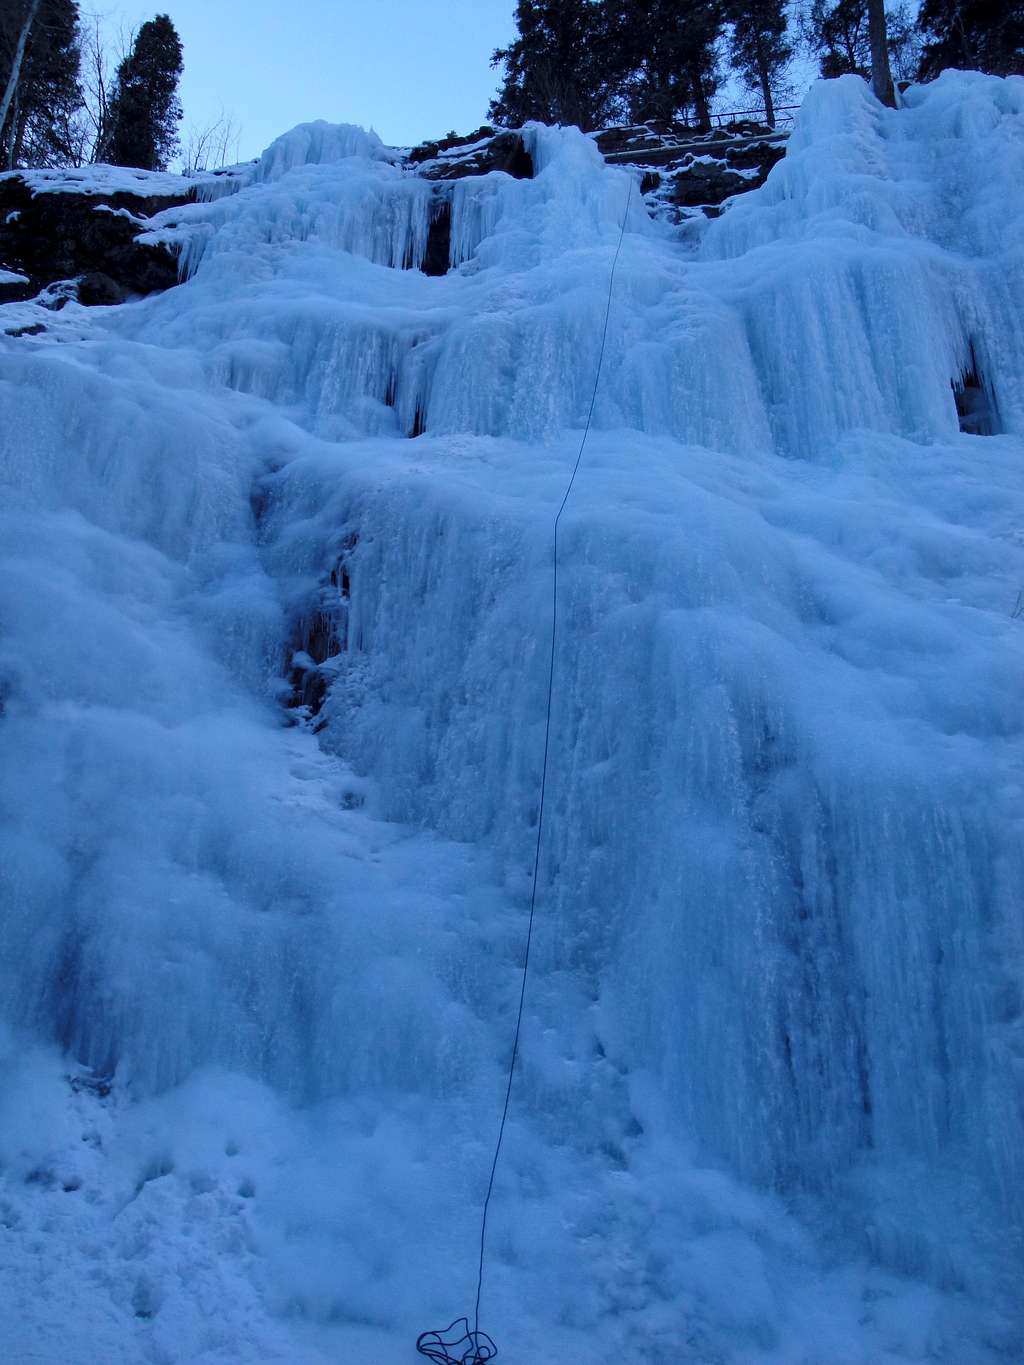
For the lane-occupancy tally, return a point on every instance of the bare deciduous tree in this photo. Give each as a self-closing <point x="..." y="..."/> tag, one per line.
<point x="96" y="75"/>
<point x="102" y="51"/>
<point x="211" y="145"/>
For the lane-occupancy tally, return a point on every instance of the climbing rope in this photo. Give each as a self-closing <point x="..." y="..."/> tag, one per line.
<point x="476" y="1347"/>
<point x="473" y="1347"/>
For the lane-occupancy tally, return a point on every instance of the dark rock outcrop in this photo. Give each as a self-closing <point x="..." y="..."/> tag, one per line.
<point x="454" y="158"/>
<point x="59" y="235"/>
<point x="19" y="287"/>
<point x="685" y="172"/>
<point x="97" y="288"/>
<point x="321" y="637"/>
<point x="637" y="139"/>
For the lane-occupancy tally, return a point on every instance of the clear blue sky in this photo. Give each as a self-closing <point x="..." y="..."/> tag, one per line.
<point x="412" y="69"/>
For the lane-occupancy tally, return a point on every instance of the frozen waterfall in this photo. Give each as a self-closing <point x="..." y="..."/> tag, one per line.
<point x="258" y="979"/>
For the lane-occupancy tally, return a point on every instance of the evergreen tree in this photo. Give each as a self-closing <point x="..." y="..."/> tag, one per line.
<point x="39" y="90"/>
<point x="144" y="109"/>
<point x="15" y="30"/>
<point x="979" y="35"/>
<point x="838" y="35"/>
<point x="674" y="46"/>
<point x="563" y="67"/>
<point x="759" y="49"/>
<point x="903" y="41"/>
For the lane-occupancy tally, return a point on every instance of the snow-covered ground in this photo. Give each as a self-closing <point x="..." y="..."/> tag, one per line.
<point x="258" y="983"/>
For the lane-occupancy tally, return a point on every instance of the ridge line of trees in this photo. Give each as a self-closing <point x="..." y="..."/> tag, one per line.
<point x="600" y="62"/>
<point x="587" y="62"/>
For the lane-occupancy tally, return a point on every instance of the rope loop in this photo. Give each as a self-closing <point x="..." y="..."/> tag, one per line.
<point x="456" y="1345"/>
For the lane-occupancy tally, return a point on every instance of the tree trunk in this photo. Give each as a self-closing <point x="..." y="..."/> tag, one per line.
<point x="965" y="47"/>
<point x="766" y="91"/>
<point x="881" y="76"/>
<point x="700" y="100"/>
<point x="12" y="136"/>
<point x="19" y="56"/>
<point x="19" y="127"/>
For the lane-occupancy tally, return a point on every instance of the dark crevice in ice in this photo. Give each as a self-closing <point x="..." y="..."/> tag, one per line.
<point x="321" y="636"/>
<point x="975" y="402"/>
<point x="437" y="257"/>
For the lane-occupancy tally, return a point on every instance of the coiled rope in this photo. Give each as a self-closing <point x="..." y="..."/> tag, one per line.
<point x="473" y="1346"/>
